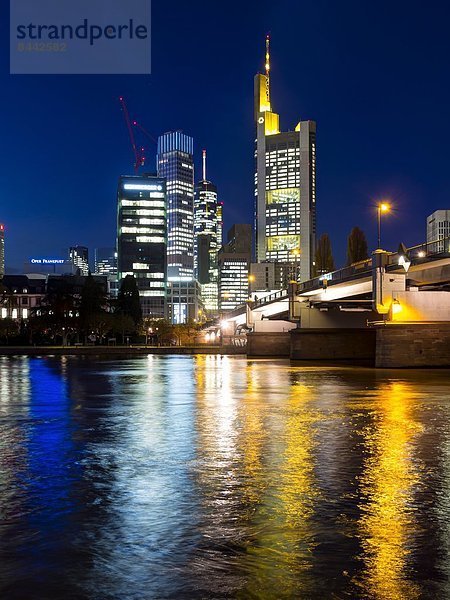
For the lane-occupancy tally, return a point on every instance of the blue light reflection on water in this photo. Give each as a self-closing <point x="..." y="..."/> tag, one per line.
<point x="214" y="477"/>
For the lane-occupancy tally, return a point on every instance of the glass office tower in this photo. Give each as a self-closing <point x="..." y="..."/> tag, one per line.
<point x="79" y="257"/>
<point x="142" y="239"/>
<point x="206" y="239"/>
<point x="234" y="264"/>
<point x="105" y="261"/>
<point x="285" y="184"/>
<point x="175" y="162"/>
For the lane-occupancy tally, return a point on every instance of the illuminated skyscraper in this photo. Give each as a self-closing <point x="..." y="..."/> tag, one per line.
<point x="79" y="257"/>
<point x="438" y="228"/>
<point x="142" y="239"/>
<point x="234" y="263"/>
<point x="206" y="246"/>
<point x="219" y="224"/>
<point x="175" y="162"/>
<point x="105" y="261"/>
<point x="2" y="250"/>
<point x="285" y="183"/>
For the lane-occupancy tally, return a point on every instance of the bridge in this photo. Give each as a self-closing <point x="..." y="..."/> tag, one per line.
<point x="407" y="287"/>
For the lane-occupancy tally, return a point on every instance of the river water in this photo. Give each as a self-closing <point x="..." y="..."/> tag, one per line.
<point x="221" y="477"/>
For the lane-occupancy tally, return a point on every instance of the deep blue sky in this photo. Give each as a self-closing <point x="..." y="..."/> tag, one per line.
<point x="375" y="77"/>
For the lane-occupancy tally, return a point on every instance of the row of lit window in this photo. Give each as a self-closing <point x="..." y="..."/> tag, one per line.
<point x="139" y="230"/>
<point x="142" y="203"/>
<point x="14" y="313"/>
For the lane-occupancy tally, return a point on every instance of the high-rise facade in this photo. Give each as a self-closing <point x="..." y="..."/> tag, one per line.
<point x="234" y="263"/>
<point x="285" y="184"/>
<point x="105" y="261"/>
<point x="184" y="301"/>
<point x="206" y="239"/>
<point x="142" y="239"/>
<point x="270" y="276"/>
<point x="438" y="228"/>
<point x="175" y="163"/>
<point x="2" y="249"/>
<point x="219" y="224"/>
<point x="79" y="257"/>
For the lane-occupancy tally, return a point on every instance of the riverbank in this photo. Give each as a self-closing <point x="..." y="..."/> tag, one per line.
<point x="115" y="350"/>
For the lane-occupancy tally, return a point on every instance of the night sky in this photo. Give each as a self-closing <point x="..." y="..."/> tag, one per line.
<point x="374" y="75"/>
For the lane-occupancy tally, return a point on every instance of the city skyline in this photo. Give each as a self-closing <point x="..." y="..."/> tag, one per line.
<point x="357" y="166"/>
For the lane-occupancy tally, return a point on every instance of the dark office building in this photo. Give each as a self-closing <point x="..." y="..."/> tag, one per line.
<point x="142" y="238"/>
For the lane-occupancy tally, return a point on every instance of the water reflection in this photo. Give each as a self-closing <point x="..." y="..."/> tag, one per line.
<point x="387" y="525"/>
<point x="218" y="477"/>
<point x="282" y="549"/>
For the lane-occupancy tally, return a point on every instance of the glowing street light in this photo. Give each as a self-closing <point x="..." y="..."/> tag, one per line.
<point x="295" y="253"/>
<point x="382" y="208"/>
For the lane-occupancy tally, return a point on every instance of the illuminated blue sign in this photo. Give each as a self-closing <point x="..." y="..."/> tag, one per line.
<point x="47" y="261"/>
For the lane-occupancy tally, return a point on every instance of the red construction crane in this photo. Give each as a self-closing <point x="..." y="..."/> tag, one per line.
<point x="145" y="132"/>
<point x="139" y="158"/>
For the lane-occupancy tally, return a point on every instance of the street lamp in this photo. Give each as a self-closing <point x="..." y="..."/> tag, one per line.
<point x="382" y="208"/>
<point x="251" y="279"/>
<point x="296" y="253"/>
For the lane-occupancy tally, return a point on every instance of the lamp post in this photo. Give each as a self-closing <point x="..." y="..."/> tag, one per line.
<point x="296" y="254"/>
<point x="251" y="279"/>
<point x="383" y="207"/>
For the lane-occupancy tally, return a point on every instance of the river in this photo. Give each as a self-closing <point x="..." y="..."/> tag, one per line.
<point x="220" y="477"/>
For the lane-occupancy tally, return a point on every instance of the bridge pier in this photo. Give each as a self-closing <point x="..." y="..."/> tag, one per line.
<point x="277" y="343"/>
<point x="405" y="345"/>
<point x="334" y="345"/>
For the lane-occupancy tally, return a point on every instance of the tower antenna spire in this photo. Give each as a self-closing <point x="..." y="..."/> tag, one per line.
<point x="204" y="165"/>
<point x="267" y="65"/>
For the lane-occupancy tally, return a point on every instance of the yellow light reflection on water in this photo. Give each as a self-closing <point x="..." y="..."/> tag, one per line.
<point x="387" y="484"/>
<point x="283" y="544"/>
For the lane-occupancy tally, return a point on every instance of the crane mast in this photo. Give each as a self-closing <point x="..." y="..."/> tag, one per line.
<point x="139" y="158"/>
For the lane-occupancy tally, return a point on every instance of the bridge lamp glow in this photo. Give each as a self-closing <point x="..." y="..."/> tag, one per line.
<point x="421" y="254"/>
<point x="396" y="307"/>
<point x="382" y="208"/>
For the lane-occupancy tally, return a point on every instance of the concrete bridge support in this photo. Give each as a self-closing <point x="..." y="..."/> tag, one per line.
<point x="277" y="343"/>
<point x="334" y="345"/>
<point x="413" y="345"/>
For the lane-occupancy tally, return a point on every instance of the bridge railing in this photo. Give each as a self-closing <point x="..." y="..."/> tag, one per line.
<point x="425" y="250"/>
<point x="359" y="268"/>
<point x="278" y="295"/>
<point x="430" y="249"/>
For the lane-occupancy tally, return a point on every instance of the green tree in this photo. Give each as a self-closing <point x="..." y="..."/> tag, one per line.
<point x="92" y="308"/>
<point x="356" y="246"/>
<point x="165" y="332"/>
<point x="128" y="303"/>
<point x="123" y="324"/>
<point x="8" y="328"/>
<point x="58" y="310"/>
<point x="324" y="262"/>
